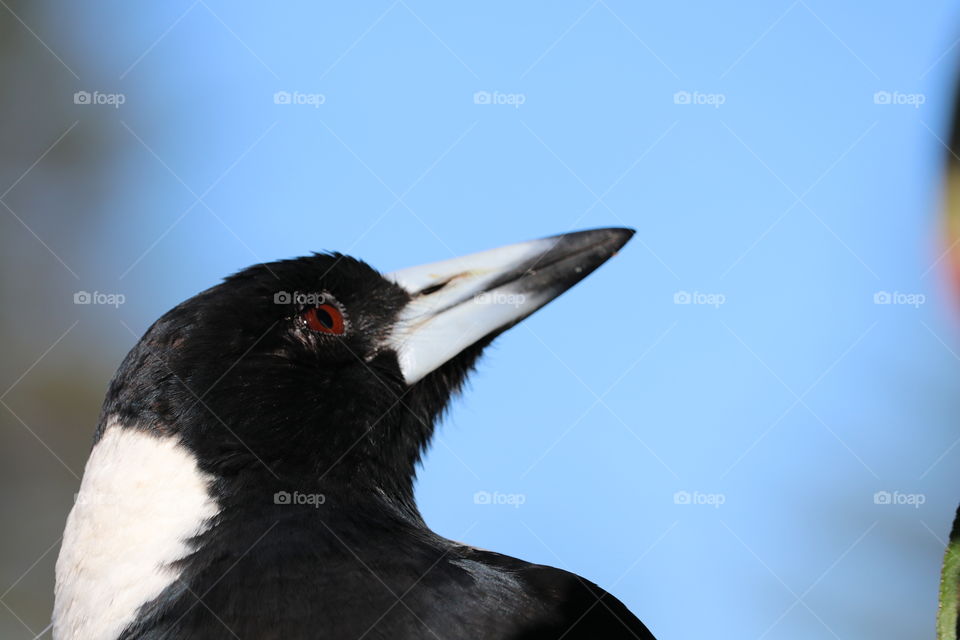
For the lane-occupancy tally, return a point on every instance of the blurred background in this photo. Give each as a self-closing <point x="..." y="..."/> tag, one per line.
<point x="744" y="426"/>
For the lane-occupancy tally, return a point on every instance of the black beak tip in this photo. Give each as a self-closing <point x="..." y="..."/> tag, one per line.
<point x="599" y="244"/>
<point x="620" y="236"/>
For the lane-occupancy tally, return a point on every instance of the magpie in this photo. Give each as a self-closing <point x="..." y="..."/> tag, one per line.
<point x="252" y="473"/>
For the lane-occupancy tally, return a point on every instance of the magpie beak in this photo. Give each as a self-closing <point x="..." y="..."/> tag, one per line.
<point x="459" y="301"/>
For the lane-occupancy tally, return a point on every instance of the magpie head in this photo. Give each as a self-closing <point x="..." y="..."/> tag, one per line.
<point x="323" y="370"/>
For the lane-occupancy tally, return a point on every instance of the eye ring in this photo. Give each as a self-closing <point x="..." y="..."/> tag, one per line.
<point x="324" y="318"/>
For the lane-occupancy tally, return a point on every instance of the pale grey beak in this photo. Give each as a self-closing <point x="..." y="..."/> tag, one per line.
<point x="459" y="301"/>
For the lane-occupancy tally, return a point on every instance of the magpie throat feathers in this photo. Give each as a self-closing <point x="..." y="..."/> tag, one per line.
<point x="262" y="428"/>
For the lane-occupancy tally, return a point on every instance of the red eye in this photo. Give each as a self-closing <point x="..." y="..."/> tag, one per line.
<point x="324" y="318"/>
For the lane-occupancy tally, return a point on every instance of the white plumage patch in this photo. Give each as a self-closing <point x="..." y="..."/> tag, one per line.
<point x="142" y="497"/>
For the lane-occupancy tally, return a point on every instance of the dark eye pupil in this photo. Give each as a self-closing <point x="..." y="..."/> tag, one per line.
<point x="324" y="317"/>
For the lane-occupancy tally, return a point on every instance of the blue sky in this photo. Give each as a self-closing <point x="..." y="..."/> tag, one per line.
<point x="748" y="147"/>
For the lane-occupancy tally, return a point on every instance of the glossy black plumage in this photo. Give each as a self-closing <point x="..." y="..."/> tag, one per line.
<point x="270" y="408"/>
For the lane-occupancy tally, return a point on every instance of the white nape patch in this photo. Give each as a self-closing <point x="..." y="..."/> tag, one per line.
<point x="142" y="497"/>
